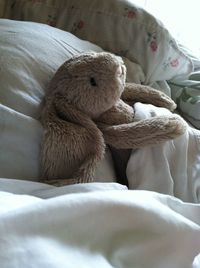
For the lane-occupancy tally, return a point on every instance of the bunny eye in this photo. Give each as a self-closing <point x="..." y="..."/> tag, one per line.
<point x="93" y="82"/>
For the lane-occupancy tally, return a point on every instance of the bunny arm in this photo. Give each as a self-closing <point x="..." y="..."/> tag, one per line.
<point x="144" y="132"/>
<point x="135" y="92"/>
<point x="120" y="113"/>
<point x="68" y="120"/>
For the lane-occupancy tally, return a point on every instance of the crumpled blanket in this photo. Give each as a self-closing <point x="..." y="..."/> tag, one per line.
<point x="170" y="168"/>
<point x="95" y="225"/>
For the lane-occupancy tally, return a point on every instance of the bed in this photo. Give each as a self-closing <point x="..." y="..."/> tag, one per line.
<point x="154" y="223"/>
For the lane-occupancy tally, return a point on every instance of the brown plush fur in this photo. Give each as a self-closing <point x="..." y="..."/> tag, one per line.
<point x="88" y="105"/>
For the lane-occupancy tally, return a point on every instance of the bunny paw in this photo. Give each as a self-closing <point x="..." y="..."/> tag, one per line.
<point x="167" y="102"/>
<point x="176" y="126"/>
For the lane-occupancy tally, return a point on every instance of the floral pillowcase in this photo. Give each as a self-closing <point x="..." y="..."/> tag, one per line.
<point x="117" y="26"/>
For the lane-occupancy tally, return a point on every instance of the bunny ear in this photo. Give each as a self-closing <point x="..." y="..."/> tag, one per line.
<point x="70" y="113"/>
<point x="72" y="145"/>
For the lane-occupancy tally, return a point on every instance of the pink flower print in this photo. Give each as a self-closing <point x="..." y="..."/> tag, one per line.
<point x="152" y="41"/>
<point x="154" y="45"/>
<point x="80" y="24"/>
<point x="131" y="14"/>
<point x="51" y="20"/>
<point x="174" y="63"/>
<point x="36" y="1"/>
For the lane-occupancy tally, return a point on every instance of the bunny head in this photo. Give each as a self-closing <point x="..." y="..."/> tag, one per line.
<point x="91" y="82"/>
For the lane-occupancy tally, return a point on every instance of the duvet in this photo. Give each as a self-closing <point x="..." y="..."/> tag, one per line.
<point x="95" y="225"/>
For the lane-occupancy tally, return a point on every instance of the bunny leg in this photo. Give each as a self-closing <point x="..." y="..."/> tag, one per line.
<point x="144" y="132"/>
<point x="134" y="93"/>
<point x="60" y="182"/>
<point x="84" y="174"/>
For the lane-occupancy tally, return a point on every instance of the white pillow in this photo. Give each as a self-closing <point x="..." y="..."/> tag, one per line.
<point x="20" y="137"/>
<point x="30" y="53"/>
<point x="117" y="26"/>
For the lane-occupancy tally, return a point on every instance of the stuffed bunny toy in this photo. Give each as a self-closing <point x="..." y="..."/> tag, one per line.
<point x="88" y="104"/>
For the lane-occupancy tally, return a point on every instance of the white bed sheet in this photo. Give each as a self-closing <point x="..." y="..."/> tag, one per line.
<point x="171" y="168"/>
<point x="95" y="225"/>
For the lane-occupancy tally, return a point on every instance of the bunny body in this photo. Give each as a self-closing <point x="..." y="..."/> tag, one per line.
<point x="87" y="106"/>
<point x="78" y="94"/>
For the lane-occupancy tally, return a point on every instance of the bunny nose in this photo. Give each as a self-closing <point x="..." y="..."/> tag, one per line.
<point x="120" y="70"/>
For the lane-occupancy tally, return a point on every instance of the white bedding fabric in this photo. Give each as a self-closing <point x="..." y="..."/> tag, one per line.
<point x="95" y="225"/>
<point x="115" y="25"/>
<point x="170" y="168"/>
